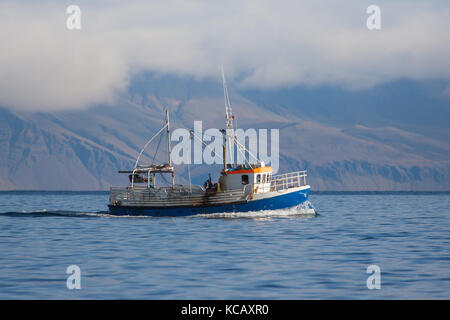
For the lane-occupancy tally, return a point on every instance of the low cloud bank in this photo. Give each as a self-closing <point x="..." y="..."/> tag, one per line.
<point x="45" y="66"/>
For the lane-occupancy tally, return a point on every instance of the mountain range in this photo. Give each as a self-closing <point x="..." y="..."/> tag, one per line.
<point x="394" y="136"/>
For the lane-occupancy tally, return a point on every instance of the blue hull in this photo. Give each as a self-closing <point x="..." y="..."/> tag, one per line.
<point x="278" y="202"/>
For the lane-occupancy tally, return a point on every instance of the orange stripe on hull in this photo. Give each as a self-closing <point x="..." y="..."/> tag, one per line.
<point x="256" y="170"/>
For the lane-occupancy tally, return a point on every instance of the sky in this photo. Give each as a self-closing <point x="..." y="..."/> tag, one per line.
<point x="44" y="66"/>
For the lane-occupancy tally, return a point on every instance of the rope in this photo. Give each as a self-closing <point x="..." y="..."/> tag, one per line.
<point x="146" y="145"/>
<point x="193" y="134"/>
<point x="157" y="148"/>
<point x="239" y="146"/>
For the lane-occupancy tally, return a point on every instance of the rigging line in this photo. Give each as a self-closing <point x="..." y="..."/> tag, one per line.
<point x="193" y="134"/>
<point x="228" y="114"/>
<point x="245" y="158"/>
<point x="157" y="148"/>
<point x="225" y="95"/>
<point x="238" y="144"/>
<point x="189" y="174"/>
<point x="239" y="149"/>
<point x="146" y="145"/>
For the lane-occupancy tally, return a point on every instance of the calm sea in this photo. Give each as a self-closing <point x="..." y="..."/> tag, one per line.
<point x="269" y="255"/>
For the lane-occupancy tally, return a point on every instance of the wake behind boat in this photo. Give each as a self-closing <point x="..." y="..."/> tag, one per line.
<point x="240" y="188"/>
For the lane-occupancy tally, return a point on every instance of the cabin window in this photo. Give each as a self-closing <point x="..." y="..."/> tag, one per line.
<point x="263" y="178"/>
<point x="269" y="177"/>
<point x="244" y="179"/>
<point x="258" y="178"/>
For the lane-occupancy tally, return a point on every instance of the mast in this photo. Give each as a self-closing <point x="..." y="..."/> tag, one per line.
<point x="168" y="146"/>
<point x="224" y="158"/>
<point x="228" y="120"/>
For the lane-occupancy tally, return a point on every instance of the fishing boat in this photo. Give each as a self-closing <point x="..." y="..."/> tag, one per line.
<point x="247" y="187"/>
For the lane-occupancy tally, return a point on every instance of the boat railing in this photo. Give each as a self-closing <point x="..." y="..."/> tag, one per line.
<point x="288" y="180"/>
<point x="180" y="194"/>
<point x="144" y="187"/>
<point x="124" y="193"/>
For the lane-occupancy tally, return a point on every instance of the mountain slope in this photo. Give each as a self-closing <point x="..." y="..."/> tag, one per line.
<point x="82" y="150"/>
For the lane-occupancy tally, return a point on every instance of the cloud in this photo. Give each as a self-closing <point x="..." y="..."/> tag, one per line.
<point x="44" y="66"/>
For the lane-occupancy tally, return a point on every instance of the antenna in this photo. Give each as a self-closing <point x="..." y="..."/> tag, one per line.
<point x="228" y="117"/>
<point x="168" y="145"/>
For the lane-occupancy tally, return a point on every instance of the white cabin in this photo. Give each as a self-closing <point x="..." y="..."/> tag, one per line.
<point x="240" y="177"/>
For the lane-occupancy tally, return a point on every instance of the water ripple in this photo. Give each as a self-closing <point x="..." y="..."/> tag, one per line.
<point x="283" y="254"/>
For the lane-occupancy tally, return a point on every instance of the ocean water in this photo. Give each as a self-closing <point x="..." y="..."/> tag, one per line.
<point x="267" y="255"/>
